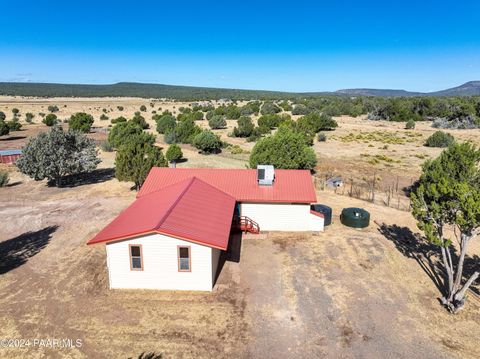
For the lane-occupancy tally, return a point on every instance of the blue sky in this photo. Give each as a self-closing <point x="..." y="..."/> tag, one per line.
<point x="295" y="46"/>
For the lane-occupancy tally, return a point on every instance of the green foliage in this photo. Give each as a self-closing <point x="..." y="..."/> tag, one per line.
<point x="140" y="120"/>
<point x="207" y="142"/>
<point x="81" y="121"/>
<point x="285" y="149"/>
<point x="52" y="108"/>
<point x="190" y="115"/>
<point x="301" y="109"/>
<point x="269" y="108"/>
<point x="244" y="128"/>
<point x="136" y="157"/>
<point x="270" y="121"/>
<point x="4" y="129"/>
<point x="165" y="123"/>
<point x="410" y="125"/>
<point x="106" y="146"/>
<point x="186" y="131"/>
<point x="285" y="105"/>
<point x="2" y="116"/>
<point x="174" y="153"/>
<point x="29" y="117"/>
<point x="55" y="154"/>
<point x="14" y="125"/>
<point x="118" y="120"/>
<point x="4" y="178"/>
<point x="15" y="111"/>
<point x="232" y="112"/>
<point x="440" y="139"/>
<point x="121" y="131"/>
<point x="143" y="108"/>
<point x="316" y="122"/>
<point x="321" y="137"/>
<point x="120" y="108"/>
<point x="217" y="122"/>
<point x="103" y="117"/>
<point x="50" y="119"/>
<point x="251" y="108"/>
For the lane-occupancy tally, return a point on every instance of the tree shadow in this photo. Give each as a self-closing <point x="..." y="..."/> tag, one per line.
<point x="13" y="138"/>
<point x="96" y="176"/>
<point x="415" y="246"/>
<point x="16" y="251"/>
<point x="13" y="184"/>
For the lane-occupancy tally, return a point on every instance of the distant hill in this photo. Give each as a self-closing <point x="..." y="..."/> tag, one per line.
<point x="191" y="93"/>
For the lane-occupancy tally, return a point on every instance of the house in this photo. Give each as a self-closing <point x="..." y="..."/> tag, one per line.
<point x="172" y="236"/>
<point x="9" y="156"/>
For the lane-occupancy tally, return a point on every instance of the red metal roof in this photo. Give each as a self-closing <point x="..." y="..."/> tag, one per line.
<point x="290" y="186"/>
<point x="189" y="209"/>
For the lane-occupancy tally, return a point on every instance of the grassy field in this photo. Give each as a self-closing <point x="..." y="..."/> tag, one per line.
<point x="342" y="293"/>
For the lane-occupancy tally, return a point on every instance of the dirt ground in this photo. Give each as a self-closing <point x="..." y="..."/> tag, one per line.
<point x="343" y="293"/>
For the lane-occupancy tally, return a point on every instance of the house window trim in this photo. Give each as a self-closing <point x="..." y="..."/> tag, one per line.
<point x="130" y="256"/>
<point x="189" y="259"/>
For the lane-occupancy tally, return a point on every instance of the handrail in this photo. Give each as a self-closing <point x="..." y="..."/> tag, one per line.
<point x="247" y="224"/>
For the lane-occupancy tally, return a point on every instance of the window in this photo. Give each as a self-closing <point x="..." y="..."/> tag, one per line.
<point x="136" y="260"/>
<point x="184" y="263"/>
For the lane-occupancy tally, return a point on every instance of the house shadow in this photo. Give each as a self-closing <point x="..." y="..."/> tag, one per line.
<point x="232" y="254"/>
<point x="96" y="176"/>
<point x="428" y="256"/>
<point x="16" y="251"/>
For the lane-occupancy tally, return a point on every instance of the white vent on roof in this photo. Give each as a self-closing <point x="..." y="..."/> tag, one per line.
<point x="265" y="175"/>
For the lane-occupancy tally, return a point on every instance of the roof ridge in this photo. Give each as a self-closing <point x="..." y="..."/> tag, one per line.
<point x="174" y="204"/>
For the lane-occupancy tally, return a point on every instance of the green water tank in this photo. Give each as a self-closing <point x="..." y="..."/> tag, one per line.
<point x="355" y="217"/>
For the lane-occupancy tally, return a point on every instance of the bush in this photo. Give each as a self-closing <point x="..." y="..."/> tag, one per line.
<point x="207" y="142"/>
<point x="189" y="115"/>
<point x="300" y="109"/>
<point x="285" y="149"/>
<point x="52" y="108"/>
<point x="316" y="122"/>
<point x="4" y="129"/>
<point x="118" y="120"/>
<point x="143" y="108"/>
<point x="106" y="146"/>
<point x="165" y="123"/>
<point x="410" y="125"/>
<point x="232" y="112"/>
<point x="269" y="108"/>
<point x="245" y="127"/>
<point x="174" y="153"/>
<point x="29" y="117"/>
<point x="81" y="121"/>
<point x="50" y="119"/>
<point x="140" y="120"/>
<point x="217" y="122"/>
<point x="170" y="137"/>
<point x="440" y="139"/>
<point x="103" y="117"/>
<point x="14" y="125"/>
<point x="186" y="131"/>
<point x="121" y="131"/>
<point x="2" y="116"/>
<point x="4" y="178"/>
<point x="15" y="111"/>
<point x="120" y="108"/>
<point x="55" y="154"/>
<point x="269" y="121"/>
<point x="321" y="137"/>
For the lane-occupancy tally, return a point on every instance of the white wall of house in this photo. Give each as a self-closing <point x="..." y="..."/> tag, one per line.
<point x="160" y="264"/>
<point x="282" y="216"/>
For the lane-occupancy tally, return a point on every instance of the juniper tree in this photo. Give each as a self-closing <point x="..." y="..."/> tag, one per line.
<point x="448" y="196"/>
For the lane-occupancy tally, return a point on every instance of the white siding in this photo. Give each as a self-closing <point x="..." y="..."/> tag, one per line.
<point x="282" y="216"/>
<point x="160" y="265"/>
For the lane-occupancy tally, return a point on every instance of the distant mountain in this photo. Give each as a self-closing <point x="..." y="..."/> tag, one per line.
<point x="191" y="93"/>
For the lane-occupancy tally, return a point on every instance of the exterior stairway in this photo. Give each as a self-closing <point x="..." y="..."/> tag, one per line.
<point x="246" y="225"/>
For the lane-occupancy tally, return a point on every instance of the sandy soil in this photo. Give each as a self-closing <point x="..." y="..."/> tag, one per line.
<point x="342" y="293"/>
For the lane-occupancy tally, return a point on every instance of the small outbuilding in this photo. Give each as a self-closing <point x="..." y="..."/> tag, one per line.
<point x="9" y="156"/>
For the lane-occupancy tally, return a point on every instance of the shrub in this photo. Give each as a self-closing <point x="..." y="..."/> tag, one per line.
<point x="4" y="129"/>
<point x="232" y="112"/>
<point x="410" y="125"/>
<point x="207" y="142"/>
<point x="103" y="117"/>
<point x="440" y="139"/>
<point x="15" y="111"/>
<point x="118" y="120"/>
<point x="143" y="108"/>
<point x="4" y="178"/>
<point x="140" y="120"/>
<point x="165" y="123"/>
<point x="170" y="137"/>
<point x="285" y="149"/>
<point x="300" y="109"/>
<point x="50" y="119"/>
<point x="2" y="116"/>
<point x="29" y="117"/>
<point x="269" y="121"/>
<point x="41" y="114"/>
<point x="174" y="153"/>
<point x="186" y="131"/>
<point x="55" y="154"/>
<point x="244" y="128"/>
<point x="106" y="146"/>
<point x="81" y="121"/>
<point x="316" y="122"/>
<point x="52" y="108"/>
<point x="189" y="115"/>
<point x="321" y="137"/>
<point x="285" y="105"/>
<point x="120" y="108"/>
<point x="269" y="108"/>
<point x="14" y="125"/>
<point x="121" y="131"/>
<point x="217" y="122"/>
